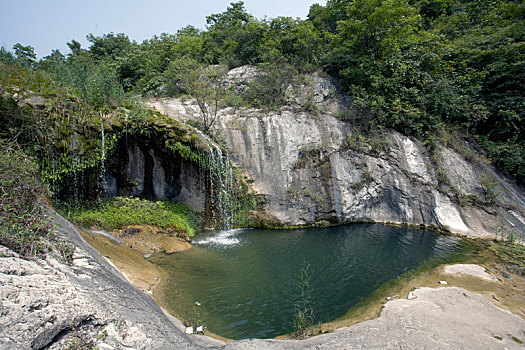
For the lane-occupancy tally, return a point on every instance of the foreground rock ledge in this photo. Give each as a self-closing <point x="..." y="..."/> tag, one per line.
<point x="48" y="304"/>
<point x="438" y="318"/>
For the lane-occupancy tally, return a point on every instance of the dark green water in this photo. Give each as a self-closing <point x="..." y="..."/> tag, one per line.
<point x="245" y="278"/>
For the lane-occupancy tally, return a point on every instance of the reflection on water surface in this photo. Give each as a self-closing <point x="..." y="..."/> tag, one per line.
<point x="245" y="278"/>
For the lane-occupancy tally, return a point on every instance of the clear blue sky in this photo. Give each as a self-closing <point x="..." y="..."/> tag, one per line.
<point x="50" y="24"/>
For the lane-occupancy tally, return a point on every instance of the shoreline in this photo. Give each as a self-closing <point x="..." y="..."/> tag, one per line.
<point x="504" y="293"/>
<point x="144" y="275"/>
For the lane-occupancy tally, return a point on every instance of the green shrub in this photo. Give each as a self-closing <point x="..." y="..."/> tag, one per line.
<point x="126" y="211"/>
<point x="23" y="224"/>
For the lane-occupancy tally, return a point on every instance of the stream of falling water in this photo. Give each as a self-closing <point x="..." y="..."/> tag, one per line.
<point x="221" y="187"/>
<point x="102" y="175"/>
<point x="222" y="194"/>
<point x="75" y="157"/>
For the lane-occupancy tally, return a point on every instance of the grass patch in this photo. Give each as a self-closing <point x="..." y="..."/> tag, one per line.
<point x="120" y="212"/>
<point x="511" y="256"/>
<point x="508" y="253"/>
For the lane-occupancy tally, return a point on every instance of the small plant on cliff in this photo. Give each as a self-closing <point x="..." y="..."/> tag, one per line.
<point x="304" y="315"/>
<point x="195" y="320"/>
<point x="66" y="250"/>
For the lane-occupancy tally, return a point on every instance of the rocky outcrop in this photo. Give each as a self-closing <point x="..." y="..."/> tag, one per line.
<point x="309" y="165"/>
<point x="46" y="303"/>
<point x="436" y="318"/>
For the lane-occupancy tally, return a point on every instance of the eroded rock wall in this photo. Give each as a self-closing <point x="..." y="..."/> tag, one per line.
<point x="309" y="165"/>
<point x="140" y="168"/>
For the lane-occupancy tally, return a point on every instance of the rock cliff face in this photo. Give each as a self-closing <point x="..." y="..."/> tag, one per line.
<point x="144" y="170"/>
<point x="309" y="165"/>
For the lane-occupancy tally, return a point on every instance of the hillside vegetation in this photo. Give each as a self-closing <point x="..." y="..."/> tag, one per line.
<point x="428" y="68"/>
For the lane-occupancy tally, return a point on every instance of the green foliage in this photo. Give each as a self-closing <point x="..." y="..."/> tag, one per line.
<point x="304" y="314"/>
<point x="321" y="223"/>
<point x="66" y="250"/>
<point x="120" y="212"/>
<point x="295" y="42"/>
<point x="97" y="85"/>
<point x="204" y="83"/>
<point x="79" y="339"/>
<point x="372" y="141"/>
<point x="24" y="227"/>
<point x="489" y="185"/>
<point x="194" y="320"/>
<point x="267" y="90"/>
<point x="417" y="66"/>
<point x="25" y="54"/>
<point x="234" y="37"/>
<point x="292" y="192"/>
<point x="379" y="28"/>
<point x="75" y="47"/>
<point x="108" y="46"/>
<point x="510" y="254"/>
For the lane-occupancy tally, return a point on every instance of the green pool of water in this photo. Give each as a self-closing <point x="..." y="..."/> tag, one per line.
<point x="245" y="279"/>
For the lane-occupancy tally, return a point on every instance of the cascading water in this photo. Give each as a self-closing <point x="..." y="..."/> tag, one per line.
<point x="102" y="175"/>
<point x="221" y="192"/>
<point x="75" y="157"/>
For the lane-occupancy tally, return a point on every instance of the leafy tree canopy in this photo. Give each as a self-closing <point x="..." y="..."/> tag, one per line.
<point x="418" y="66"/>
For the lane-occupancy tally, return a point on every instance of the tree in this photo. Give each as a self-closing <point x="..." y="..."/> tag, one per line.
<point x="204" y="83"/>
<point x="109" y="45"/>
<point x="234" y="37"/>
<point x="55" y="58"/>
<point x="75" y="47"/>
<point x="378" y="28"/>
<point x="6" y="56"/>
<point x="325" y="18"/>
<point x="26" y="54"/>
<point x="294" y="41"/>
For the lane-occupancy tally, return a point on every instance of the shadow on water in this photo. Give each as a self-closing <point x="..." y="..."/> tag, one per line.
<point x="245" y="278"/>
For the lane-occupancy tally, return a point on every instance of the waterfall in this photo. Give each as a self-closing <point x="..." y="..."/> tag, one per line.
<point x="102" y="175"/>
<point x="221" y="190"/>
<point x="74" y="147"/>
<point x="216" y="173"/>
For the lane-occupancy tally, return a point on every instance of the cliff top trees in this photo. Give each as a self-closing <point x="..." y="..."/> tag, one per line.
<point x="414" y="65"/>
<point x="204" y="83"/>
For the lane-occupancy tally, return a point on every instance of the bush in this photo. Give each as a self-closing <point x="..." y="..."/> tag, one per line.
<point x="126" y="211"/>
<point x="267" y="90"/>
<point x="23" y="224"/>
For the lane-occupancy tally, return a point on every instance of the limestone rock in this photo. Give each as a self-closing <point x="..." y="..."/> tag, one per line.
<point x="308" y="167"/>
<point x="48" y="303"/>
